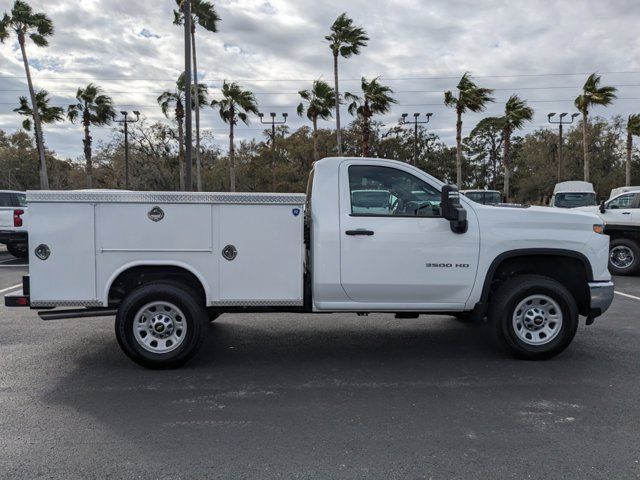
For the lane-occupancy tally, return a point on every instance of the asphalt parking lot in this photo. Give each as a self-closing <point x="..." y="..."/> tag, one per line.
<point x="319" y="397"/>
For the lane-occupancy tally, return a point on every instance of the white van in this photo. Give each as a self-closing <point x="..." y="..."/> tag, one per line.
<point x="573" y="194"/>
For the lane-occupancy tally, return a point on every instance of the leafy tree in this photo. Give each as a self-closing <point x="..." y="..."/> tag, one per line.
<point x="236" y="104"/>
<point x="472" y="98"/>
<point x="94" y="108"/>
<point x="633" y="128"/>
<point x="484" y="145"/>
<point x="320" y="101"/>
<point x="516" y="113"/>
<point x="176" y="99"/>
<point x="37" y="26"/>
<point x="592" y="94"/>
<point x="376" y="99"/>
<point x="344" y="40"/>
<point x="46" y="113"/>
<point x="202" y="13"/>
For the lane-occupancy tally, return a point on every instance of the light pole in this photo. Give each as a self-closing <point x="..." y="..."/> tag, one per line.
<point x="126" y="121"/>
<point x="186" y="9"/>
<point x="403" y="121"/>
<point x="561" y="121"/>
<point x="273" y="123"/>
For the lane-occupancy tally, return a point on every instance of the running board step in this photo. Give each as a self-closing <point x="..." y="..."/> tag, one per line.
<point x="77" y="313"/>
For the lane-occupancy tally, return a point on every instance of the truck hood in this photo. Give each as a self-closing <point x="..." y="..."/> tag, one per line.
<point x="538" y="218"/>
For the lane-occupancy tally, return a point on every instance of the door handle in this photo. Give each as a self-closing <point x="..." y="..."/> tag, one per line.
<point x="360" y="231"/>
<point x="626" y="213"/>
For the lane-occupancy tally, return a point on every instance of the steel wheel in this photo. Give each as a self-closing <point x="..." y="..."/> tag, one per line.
<point x="621" y="257"/>
<point x="159" y="327"/>
<point x="537" y="320"/>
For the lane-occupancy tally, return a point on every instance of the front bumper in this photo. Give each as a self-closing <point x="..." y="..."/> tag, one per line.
<point x="601" y="295"/>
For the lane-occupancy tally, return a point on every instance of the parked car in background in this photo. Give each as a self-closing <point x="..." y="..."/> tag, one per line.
<point x="621" y="217"/>
<point x="617" y="191"/>
<point x="13" y="228"/>
<point x="484" y="197"/>
<point x="573" y="194"/>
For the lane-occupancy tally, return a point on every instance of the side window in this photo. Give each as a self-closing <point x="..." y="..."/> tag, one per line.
<point x="623" y="201"/>
<point x="6" y="200"/>
<point x="389" y="192"/>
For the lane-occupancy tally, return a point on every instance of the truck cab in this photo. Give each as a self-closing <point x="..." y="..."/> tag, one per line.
<point x="370" y="235"/>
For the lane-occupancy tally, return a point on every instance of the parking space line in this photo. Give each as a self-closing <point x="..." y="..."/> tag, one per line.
<point x="627" y="295"/>
<point x="18" y="285"/>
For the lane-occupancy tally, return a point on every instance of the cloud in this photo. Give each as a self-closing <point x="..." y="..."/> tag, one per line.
<point x="276" y="47"/>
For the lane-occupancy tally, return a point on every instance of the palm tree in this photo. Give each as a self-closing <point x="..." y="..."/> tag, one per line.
<point x="38" y="27"/>
<point x="516" y="113"/>
<point x="592" y="94"/>
<point x="203" y="14"/>
<point x="320" y="101"/>
<point x="470" y="97"/>
<point x="344" y="40"/>
<point x="376" y="99"/>
<point x="633" y="128"/>
<point x="236" y="104"/>
<point x="176" y="98"/>
<point x="46" y="113"/>
<point x="96" y="109"/>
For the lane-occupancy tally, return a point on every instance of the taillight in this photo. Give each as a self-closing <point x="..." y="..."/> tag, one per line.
<point x="17" y="219"/>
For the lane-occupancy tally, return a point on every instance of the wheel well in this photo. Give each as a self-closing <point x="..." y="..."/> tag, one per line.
<point x="572" y="272"/>
<point x="134" y="277"/>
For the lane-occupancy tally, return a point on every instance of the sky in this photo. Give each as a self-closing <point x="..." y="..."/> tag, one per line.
<point x="540" y="50"/>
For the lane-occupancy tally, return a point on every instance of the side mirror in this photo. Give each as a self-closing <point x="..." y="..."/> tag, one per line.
<point x="602" y="207"/>
<point x="452" y="210"/>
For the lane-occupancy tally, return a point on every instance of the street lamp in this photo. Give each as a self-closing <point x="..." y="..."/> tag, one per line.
<point x="186" y="10"/>
<point x="403" y="121"/>
<point x="126" y="121"/>
<point x="273" y="122"/>
<point x="561" y="121"/>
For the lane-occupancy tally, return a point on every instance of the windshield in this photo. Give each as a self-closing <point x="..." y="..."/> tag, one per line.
<point x="575" y="199"/>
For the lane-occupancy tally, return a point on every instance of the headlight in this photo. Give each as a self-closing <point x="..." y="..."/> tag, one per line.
<point x="599" y="229"/>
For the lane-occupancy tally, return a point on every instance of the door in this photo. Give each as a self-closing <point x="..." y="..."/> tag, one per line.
<point x="395" y="247"/>
<point x="622" y="210"/>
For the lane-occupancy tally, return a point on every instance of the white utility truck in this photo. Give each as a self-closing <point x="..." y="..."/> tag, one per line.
<point x="621" y="217"/>
<point x="574" y="193"/>
<point x="165" y="264"/>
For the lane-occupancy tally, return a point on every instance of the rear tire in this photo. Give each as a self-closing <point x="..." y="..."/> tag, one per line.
<point x="533" y="317"/>
<point x="161" y="325"/>
<point x="624" y="257"/>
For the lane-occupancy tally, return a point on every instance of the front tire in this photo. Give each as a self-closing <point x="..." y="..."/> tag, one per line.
<point x="624" y="257"/>
<point x="533" y="317"/>
<point x="161" y="325"/>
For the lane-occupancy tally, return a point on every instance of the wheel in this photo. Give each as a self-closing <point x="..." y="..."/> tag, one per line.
<point x="533" y="317"/>
<point x="624" y="257"/>
<point x="19" y="251"/>
<point x="161" y="325"/>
